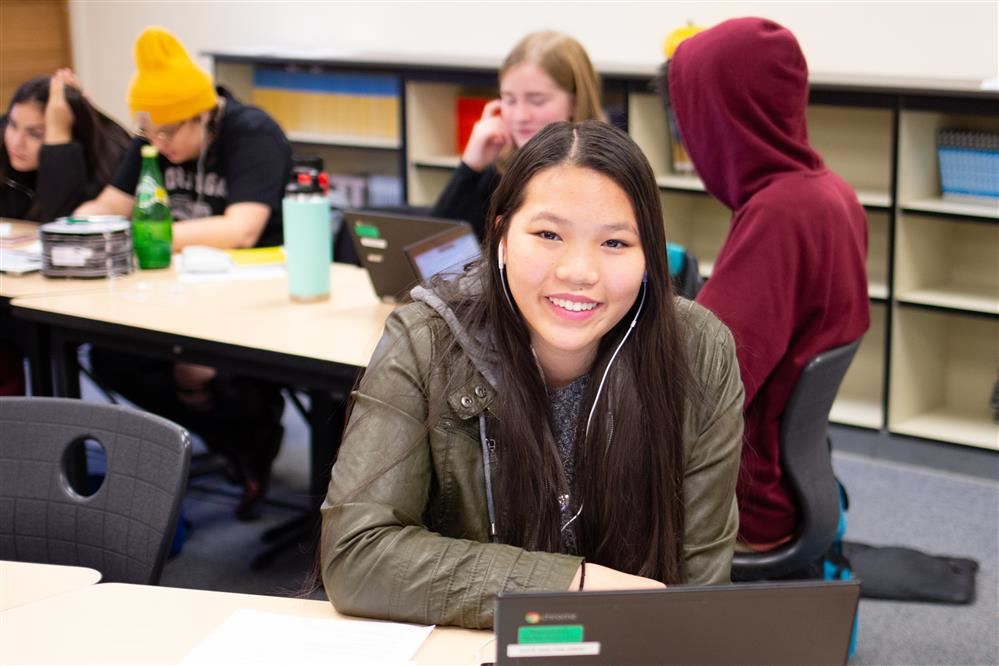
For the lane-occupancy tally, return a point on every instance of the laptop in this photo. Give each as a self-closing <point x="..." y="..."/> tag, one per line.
<point x="380" y="239"/>
<point x="799" y="622"/>
<point x="446" y="252"/>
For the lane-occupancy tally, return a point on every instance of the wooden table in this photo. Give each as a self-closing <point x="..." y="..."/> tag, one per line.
<point x="253" y="320"/>
<point x="34" y="339"/>
<point x="22" y="583"/>
<point x="247" y="326"/>
<point x="116" y="623"/>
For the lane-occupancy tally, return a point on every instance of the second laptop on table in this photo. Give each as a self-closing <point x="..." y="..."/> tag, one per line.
<point x="400" y="251"/>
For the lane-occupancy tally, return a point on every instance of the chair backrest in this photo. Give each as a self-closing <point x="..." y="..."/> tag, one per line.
<point x="124" y="529"/>
<point x="684" y="271"/>
<point x="807" y="462"/>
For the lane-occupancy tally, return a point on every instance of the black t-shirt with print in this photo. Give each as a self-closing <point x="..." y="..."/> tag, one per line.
<point x="249" y="161"/>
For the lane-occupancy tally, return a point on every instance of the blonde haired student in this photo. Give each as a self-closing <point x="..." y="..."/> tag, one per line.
<point x="546" y="78"/>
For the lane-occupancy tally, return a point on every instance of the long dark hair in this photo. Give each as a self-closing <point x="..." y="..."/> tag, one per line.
<point x="629" y="470"/>
<point x="103" y="140"/>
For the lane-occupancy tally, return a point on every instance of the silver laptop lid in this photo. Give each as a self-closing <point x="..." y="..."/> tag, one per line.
<point x="800" y="622"/>
<point x="379" y="239"/>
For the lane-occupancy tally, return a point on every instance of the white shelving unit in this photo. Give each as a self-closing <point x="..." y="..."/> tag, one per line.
<point x="945" y="338"/>
<point x="933" y="262"/>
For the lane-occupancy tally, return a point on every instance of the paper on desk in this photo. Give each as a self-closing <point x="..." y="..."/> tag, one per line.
<point x="257" y="637"/>
<point x="18" y="262"/>
<point x="236" y="274"/>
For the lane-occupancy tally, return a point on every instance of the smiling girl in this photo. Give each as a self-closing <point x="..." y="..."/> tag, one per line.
<point x="546" y="78"/>
<point x="553" y="419"/>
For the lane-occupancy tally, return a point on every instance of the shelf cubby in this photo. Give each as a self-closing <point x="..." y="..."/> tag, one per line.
<point x="918" y="172"/>
<point x="430" y="131"/>
<point x="697" y="222"/>
<point x="237" y="77"/>
<point x="859" y="400"/>
<point x="943" y="371"/>
<point x="877" y="254"/>
<point x="855" y="143"/>
<point x="647" y="126"/>
<point x="342" y="153"/>
<point x="948" y="263"/>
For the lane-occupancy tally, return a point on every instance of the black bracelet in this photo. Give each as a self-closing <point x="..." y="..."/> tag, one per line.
<point x="582" y="574"/>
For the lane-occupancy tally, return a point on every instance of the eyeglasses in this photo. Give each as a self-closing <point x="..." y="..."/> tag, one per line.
<point x="164" y="133"/>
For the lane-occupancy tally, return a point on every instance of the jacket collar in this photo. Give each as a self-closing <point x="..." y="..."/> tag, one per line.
<point x="471" y="398"/>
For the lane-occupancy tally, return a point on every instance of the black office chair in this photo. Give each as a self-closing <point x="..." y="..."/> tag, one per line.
<point x="684" y="271"/>
<point x="124" y="529"/>
<point x="806" y="460"/>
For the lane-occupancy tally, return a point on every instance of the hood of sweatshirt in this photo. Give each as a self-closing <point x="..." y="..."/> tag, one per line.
<point x="477" y="345"/>
<point x="739" y="93"/>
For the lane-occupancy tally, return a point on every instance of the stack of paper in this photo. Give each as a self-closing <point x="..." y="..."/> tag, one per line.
<point x="250" y="637"/>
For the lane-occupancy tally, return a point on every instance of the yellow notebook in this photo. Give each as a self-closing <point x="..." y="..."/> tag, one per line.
<point x="257" y="256"/>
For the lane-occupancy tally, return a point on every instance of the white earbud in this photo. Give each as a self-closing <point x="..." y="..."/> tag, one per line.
<point x="501" y="262"/>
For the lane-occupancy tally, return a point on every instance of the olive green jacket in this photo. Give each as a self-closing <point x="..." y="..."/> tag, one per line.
<point x="405" y="530"/>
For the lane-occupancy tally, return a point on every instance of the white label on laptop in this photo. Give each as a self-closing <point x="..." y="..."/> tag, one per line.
<point x="375" y="258"/>
<point x="377" y="243"/>
<point x="553" y="649"/>
<point x="71" y="256"/>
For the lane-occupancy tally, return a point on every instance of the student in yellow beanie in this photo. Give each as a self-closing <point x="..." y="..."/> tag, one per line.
<point x="225" y="166"/>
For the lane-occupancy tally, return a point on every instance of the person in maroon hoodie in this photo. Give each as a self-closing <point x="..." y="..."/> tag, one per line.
<point x="790" y="281"/>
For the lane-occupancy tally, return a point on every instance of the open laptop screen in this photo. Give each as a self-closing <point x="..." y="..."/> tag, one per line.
<point x="445" y="252"/>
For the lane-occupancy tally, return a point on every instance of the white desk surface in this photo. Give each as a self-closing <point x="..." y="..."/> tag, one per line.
<point x="22" y="583"/>
<point x="115" y="623"/>
<point x="36" y="284"/>
<point x="247" y="313"/>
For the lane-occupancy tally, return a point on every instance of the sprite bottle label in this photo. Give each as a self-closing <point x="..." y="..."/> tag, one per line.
<point x="152" y="223"/>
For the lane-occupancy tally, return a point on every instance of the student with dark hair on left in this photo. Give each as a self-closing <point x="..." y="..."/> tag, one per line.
<point x="58" y="150"/>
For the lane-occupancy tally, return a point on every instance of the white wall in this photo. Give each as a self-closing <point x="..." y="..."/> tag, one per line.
<point x="956" y="40"/>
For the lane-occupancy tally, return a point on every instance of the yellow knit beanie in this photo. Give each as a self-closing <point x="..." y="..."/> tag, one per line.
<point x="167" y="84"/>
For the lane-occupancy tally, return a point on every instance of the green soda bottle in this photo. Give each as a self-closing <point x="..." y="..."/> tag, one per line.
<point x="152" y="224"/>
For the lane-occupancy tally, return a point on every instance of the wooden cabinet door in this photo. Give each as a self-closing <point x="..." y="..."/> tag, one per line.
<point x="34" y="40"/>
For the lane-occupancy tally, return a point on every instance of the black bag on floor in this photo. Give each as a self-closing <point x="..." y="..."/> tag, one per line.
<point x="904" y="574"/>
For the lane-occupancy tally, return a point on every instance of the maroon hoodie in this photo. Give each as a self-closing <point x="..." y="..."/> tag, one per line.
<point x="790" y="281"/>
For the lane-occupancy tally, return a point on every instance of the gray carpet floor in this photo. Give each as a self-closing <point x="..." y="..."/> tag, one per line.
<point x="892" y="503"/>
<point x="938" y="513"/>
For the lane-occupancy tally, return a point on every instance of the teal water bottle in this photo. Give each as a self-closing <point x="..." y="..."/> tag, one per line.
<point x="308" y="237"/>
